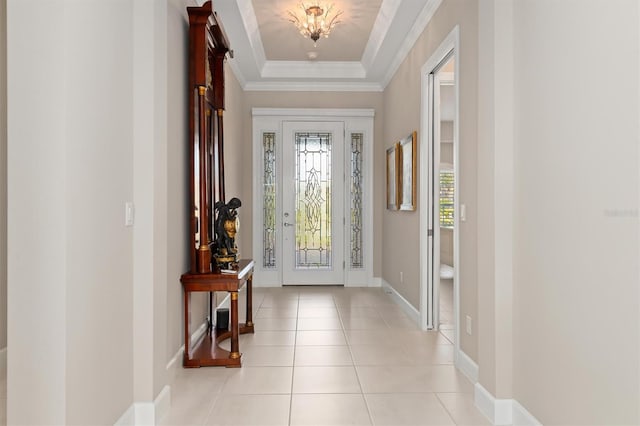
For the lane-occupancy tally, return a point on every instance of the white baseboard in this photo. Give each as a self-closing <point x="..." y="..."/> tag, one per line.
<point x="498" y="411"/>
<point x="173" y="364"/>
<point x="502" y="411"/>
<point x="468" y="366"/>
<point x="226" y="302"/>
<point x="162" y="403"/>
<point x="407" y="307"/>
<point x="147" y="413"/>
<point x="144" y="414"/>
<point x="521" y="417"/>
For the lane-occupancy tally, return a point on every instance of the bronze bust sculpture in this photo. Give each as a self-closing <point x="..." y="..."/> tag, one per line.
<point x="226" y="227"/>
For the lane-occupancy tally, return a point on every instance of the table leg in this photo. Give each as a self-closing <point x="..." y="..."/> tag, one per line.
<point x="235" y="349"/>
<point x="249" y="322"/>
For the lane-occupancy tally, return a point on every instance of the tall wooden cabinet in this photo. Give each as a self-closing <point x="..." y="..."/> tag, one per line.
<point x="208" y="47"/>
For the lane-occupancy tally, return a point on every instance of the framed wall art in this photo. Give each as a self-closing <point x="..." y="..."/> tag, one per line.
<point x="393" y="175"/>
<point x="408" y="148"/>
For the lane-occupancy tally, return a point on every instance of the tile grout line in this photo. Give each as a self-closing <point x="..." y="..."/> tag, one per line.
<point x="366" y="404"/>
<point x="445" y="408"/>
<point x="293" y="364"/>
<point x="213" y="403"/>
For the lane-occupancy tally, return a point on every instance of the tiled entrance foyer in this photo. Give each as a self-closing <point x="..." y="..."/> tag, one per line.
<point x="329" y="356"/>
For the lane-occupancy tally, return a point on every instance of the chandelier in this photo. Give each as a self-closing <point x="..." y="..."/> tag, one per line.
<point x="315" y="22"/>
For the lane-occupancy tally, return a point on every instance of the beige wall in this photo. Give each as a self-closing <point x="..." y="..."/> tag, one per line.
<point x="178" y="185"/>
<point x="237" y="157"/>
<point x="3" y="177"/>
<point x="495" y="197"/>
<point x="446" y="147"/>
<point x="576" y="315"/>
<point x="36" y="375"/>
<point x="99" y="290"/>
<point x="70" y="256"/>
<point x="318" y="100"/>
<point x="99" y="174"/>
<point x="401" y="116"/>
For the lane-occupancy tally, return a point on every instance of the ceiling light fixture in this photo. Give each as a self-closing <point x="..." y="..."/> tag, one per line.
<point x="315" y="22"/>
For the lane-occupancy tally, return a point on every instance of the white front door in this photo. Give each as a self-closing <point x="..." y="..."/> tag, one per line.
<point x="313" y="184"/>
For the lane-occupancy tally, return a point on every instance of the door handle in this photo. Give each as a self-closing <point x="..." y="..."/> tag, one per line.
<point x="287" y="224"/>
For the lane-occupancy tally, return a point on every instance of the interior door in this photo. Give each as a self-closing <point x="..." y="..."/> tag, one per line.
<point x="433" y="267"/>
<point x="313" y="203"/>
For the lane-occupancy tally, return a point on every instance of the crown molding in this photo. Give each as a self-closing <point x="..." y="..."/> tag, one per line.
<point x="320" y="69"/>
<point x="313" y="112"/>
<point x="416" y="30"/>
<point x="381" y="26"/>
<point x="251" y="26"/>
<point x="304" y="86"/>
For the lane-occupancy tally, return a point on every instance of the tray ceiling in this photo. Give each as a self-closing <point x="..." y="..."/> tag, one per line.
<point x="361" y="54"/>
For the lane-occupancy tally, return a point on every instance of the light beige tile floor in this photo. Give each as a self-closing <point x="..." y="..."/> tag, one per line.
<point x="329" y="356"/>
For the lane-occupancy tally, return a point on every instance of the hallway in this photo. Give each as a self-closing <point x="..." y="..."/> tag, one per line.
<point x="329" y="356"/>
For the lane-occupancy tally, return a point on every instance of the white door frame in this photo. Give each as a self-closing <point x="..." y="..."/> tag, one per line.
<point x="429" y="292"/>
<point x="271" y="120"/>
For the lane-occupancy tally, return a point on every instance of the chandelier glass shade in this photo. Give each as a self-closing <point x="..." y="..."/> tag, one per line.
<point x="315" y="21"/>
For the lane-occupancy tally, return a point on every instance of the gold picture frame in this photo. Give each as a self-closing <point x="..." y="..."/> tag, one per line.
<point x="408" y="155"/>
<point x="393" y="176"/>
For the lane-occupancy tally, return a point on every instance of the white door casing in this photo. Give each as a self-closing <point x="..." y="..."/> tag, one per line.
<point x="434" y="211"/>
<point x="429" y="197"/>
<point x="270" y="235"/>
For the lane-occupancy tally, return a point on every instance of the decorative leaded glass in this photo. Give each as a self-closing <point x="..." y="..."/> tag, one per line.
<point x="356" y="201"/>
<point x="313" y="200"/>
<point x="269" y="200"/>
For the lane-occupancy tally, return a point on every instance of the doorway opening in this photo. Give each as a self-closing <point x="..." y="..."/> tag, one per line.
<point x="313" y="196"/>
<point x="439" y="200"/>
<point x="445" y="188"/>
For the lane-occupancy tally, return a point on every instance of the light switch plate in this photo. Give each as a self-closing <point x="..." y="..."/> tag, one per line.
<point x="129" y="213"/>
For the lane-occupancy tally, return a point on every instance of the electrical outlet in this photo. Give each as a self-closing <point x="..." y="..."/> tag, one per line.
<point x="468" y="325"/>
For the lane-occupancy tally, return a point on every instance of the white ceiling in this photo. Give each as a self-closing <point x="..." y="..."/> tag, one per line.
<point x="361" y="54"/>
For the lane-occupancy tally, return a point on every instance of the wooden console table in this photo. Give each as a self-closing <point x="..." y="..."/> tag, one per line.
<point x="207" y="352"/>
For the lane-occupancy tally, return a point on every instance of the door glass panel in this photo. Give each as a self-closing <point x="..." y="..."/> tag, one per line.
<point x="269" y="200"/>
<point x="313" y="200"/>
<point x="355" y="216"/>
